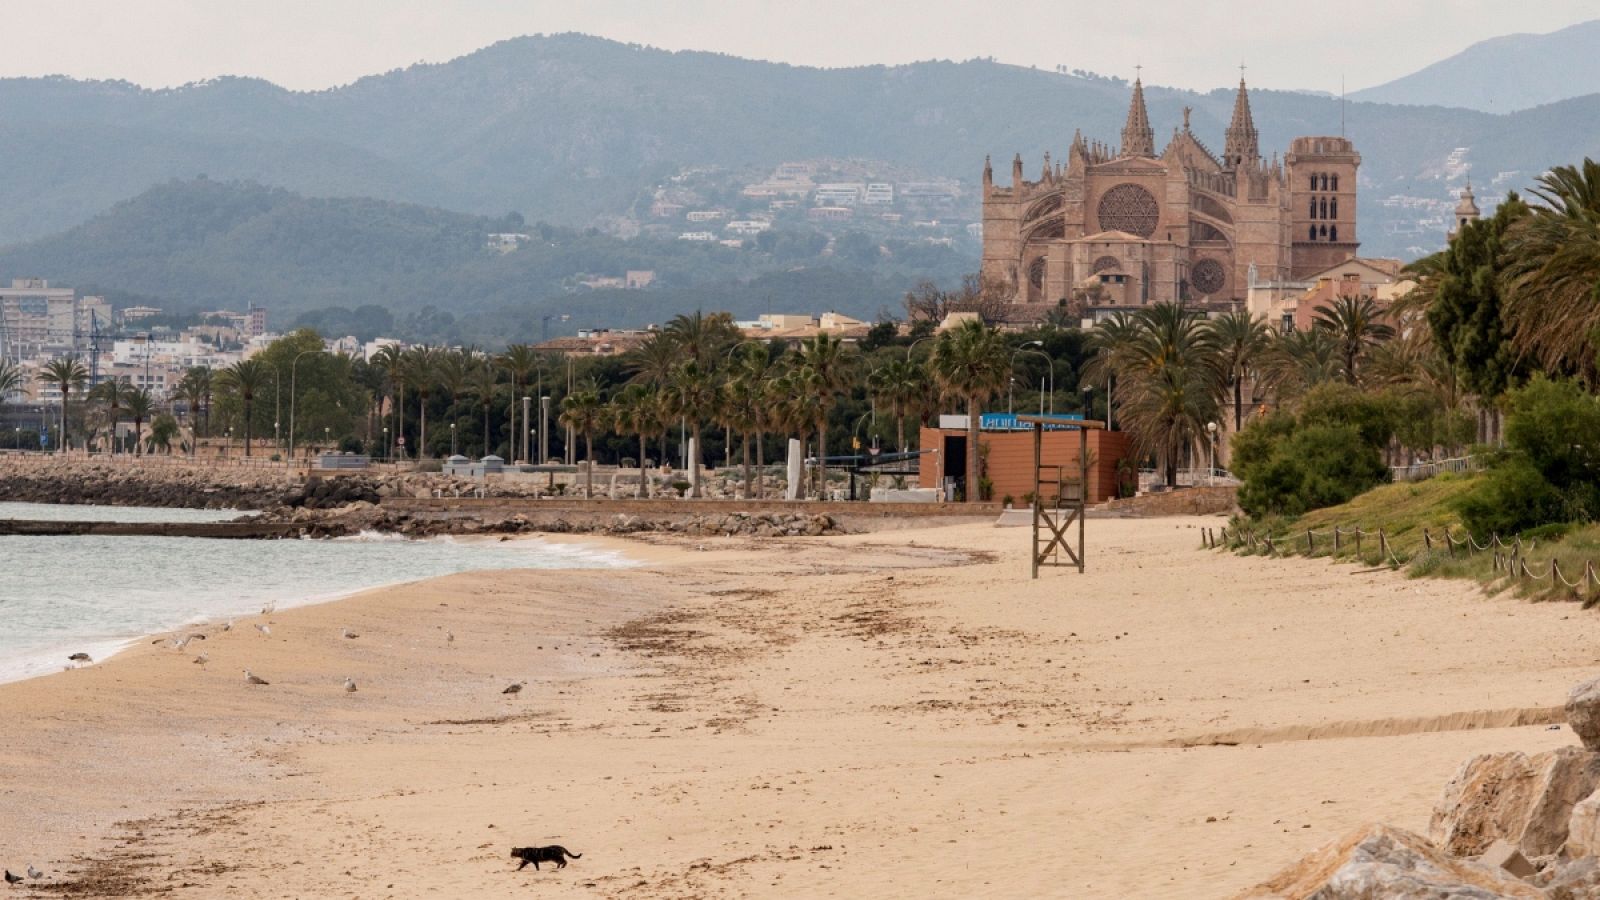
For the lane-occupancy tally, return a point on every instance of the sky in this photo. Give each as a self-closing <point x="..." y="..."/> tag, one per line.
<point x="1197" y="44"/>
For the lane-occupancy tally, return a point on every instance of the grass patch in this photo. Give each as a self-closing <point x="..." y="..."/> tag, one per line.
<point x="1402" y="512"/>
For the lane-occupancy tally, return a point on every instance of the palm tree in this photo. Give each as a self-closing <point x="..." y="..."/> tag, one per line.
<point x="113" y="392"/>
<point x="633" y="411"/>
<point x="746" y="403"/>
<point x="1109" y="346"/>
<point x="692" y="395"/>
<point x="1242" y="339"/>
<point x="139" y="404"/>
<point x="162" y="430"/>
<point x="483" y="382"/>
<point x="1171" y="371"/>
<point x="583" y="412"/>
<point x="701" y="338"/>
<point x="902" y="385"/>
<point x="195" y="391"/>
<point x="653" y="361"/>
<point x="794" y="403"/>
<point x="11" y="378"/>
<point x="1298" y="361"/>
<point x="823" y="356"/>
<point x="453" y="373"/>
<point x="520" y="361"/>
<point x="1355" y="323"/>
<point x="421" y="372"/>
<point x="67" y="373"/>
<point x="394" y="363"/>
<point x="971" y="362"/>
<point x="244" y="378"/>
<point x="1553" y="270"/>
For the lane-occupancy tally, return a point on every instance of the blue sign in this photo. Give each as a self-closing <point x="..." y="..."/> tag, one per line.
<point x="1009" y="422"/>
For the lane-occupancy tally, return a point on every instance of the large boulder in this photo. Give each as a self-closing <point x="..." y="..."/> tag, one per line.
<point x="1583" y="713"/>
<point x="1583" y="827"/>
<point x="1526" y="800"/>
<point x="1377" y="862"/>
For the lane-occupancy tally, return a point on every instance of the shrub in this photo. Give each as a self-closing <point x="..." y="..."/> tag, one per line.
<point x="1289" y="469"/>
<point x="1511" y="498"/>
<point x="1550" y="472"/>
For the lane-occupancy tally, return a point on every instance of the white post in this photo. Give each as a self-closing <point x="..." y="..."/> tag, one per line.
<point x="694" y="469"/>
<point x="796" y="469"/>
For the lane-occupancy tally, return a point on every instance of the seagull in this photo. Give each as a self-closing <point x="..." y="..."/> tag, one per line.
<point x="350" y="685"/>
<point x="264" y="628"/>
<point x="253" y="678"/>
<point x="270" y="608"/>
<point x="350" y="635"/>
<point x="180" y="644"/>
<point x="202" y="659"/>
<point x="515" y="688"/>
<point x="80" y="658"/>
<point x="33" y="873"/>
<point x="12" y="879"/>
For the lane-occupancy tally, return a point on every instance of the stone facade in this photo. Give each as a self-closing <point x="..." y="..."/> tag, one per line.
<point x="1124" y="228"/>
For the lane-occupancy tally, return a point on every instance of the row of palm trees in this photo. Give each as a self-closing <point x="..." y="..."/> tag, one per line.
<point x="69" y="376"/>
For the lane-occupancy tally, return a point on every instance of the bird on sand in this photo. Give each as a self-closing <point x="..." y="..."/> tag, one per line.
<point x="12" y="879"/>
<point x="350" y="635"/>
<point x="80" y="658"/>
<point x="270" y="608"/>
<point x="180" y="643"/>
<point x="253" y="678"/>
<point x="264" y="628"/>
<point x="515" y="688"/>
<point x="350" y="685"/>
<point x="202" y="659"/>
<point x="33" y="873"/>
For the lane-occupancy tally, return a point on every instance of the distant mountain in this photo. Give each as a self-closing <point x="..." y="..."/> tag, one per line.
<point x="204" y="244"/>
<point x="569" y="128"/>
<point x="1504" y="74"/>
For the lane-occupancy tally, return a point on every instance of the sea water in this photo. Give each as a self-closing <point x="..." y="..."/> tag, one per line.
<point x="95" y="594"/>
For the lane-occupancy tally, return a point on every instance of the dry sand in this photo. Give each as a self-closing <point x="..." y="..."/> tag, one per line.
<point x="888" y="715"/>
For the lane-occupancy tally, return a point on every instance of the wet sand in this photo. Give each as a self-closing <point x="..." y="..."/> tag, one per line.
<point x="894" y="714"/>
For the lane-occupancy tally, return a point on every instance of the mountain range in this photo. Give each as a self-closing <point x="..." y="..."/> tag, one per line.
<point x="568" y="129"/>
<point x="1504" y="74"/>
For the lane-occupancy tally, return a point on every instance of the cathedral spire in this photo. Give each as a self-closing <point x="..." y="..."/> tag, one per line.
<point x="1138" y="139"/>
<point x="1243" y="146"/>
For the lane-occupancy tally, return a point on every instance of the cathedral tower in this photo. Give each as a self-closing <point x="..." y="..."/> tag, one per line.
<point x="1466" y="210"/>
<point x="1138" y="138"/>
<point x="1322" y="201"/>
<point x="1243" y="146"/>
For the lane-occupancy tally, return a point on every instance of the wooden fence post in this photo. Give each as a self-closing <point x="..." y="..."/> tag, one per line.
<point x="1335" y="540"/>
<point x="1358" y="543"/>
<point x="1427" y="541"/>
<point x="1311" y="544"/>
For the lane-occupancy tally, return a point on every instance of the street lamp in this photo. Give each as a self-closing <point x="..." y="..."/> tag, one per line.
<point x="452" y="439"/>
<point x="1050" y="368"/>
<point x="327" y="439"/>
<point x="1211" y="470"/>
<point x="388" y="453"/>
<point x="527" y="428"/>
<point x="914" y="343"/>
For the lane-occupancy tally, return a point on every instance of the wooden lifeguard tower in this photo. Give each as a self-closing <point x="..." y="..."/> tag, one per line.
<point x="1059" y="494"/>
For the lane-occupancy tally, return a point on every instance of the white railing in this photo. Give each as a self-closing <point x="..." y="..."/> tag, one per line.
<point x="1421" y="471"/>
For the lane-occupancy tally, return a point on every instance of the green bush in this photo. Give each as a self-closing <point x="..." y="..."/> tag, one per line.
<point x="1550" y="472"/>
<point x="1307" y="468"/>
<point x="1511" y="498"/>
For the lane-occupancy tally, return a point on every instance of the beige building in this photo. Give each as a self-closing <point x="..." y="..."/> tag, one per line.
<point x="1129" y="226"/>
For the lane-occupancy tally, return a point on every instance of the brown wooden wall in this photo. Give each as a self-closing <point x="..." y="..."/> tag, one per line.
<point x="1010" y="459"/>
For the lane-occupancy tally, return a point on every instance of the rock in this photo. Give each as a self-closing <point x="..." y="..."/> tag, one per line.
<point x="1526" y="800"/>
<point x="1583" y="713"/>
<point x="1377" y="862"/>
<point x="1575" y="880"/>
<point x="1503" y="855"/>
<point x="1583" y="827"/>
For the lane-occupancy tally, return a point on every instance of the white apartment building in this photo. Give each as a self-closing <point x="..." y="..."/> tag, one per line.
<point x="879" y="194"/>
<point x="36" y="318"/>
<point x="838" y="194"/>
<point x="747" y="226"/>
<point x="699" y="236"/>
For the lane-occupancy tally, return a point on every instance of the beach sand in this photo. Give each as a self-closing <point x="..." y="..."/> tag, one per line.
<point x="881" y="715"/>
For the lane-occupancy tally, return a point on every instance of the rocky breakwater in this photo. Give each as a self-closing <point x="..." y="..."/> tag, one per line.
<point x="1507" y="825"/>
<point x="79" y="481"/>
<point x="316" y="520"/>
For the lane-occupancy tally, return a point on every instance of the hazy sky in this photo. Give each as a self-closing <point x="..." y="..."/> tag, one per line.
<point x="309" y="44"/>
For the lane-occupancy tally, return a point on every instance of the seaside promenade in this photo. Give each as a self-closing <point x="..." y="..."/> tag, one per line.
<point x="894" y="714"/>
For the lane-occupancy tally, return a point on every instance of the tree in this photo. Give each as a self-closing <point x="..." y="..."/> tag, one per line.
<point x="68" y="374"/>
<point x="162" y="430"/>
<point x="1170" y="371"/>
<point x="902" y="385"/>
<point x="1241" y="339"/>
<point x="243" y="379"/>
<point x="483" y="382"/>
<point x="112" y="392"/>
<point x="195" y="392"/>
<point x="1356" y="325"/>
<point x="987" y="297"/>
<point x="520" y="361"/>
<point x="653" y="361"/>
<point x="824" y="357"/>
<point x="1298" y="361"/>
<point x="395" y="363"/>
<point x="703" y="338"/>
<point x="1552" y="272"/>
<point x="583" y="412"/>
<point x="972" y="362"/>
<point x="692" y="395"/>
<point x="1468" y="312"/>
<point x="744" y="401"/>
<point x="421" y="373"/>
<point x="633" y="410"/>
<point x="140" y="405"/>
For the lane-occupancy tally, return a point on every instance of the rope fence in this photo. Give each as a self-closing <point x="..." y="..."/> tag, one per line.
<point x="1509" y="560"/>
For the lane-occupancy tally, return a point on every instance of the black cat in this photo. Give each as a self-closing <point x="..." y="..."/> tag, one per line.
<point x="536" y="855"/>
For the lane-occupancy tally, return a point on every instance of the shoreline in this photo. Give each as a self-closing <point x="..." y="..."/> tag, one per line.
<point x="605" y="553"/>
<point x="754" y="717"/>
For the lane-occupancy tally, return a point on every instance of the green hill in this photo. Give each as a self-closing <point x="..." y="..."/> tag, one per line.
<point x="205" y="244"/>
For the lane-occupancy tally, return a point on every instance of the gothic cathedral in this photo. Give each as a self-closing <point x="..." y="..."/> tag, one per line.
<point x="1126" y="228"/>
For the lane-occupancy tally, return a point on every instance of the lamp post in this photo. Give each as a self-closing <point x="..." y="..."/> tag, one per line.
<point x="544" y="428"/>
<point x="527" y="428"/>
<point x="388" y="452"/>
<point x="913" y="344"/>
<point x="1050" y="367"/>
<point x="1211" y="469"/>
<point x="327" y="439"/>
<point x="452" y="439"/>
<point x="292" y="373"/>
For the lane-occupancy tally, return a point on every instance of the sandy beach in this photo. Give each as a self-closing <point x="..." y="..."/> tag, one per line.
<point x="882" y="715"/>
